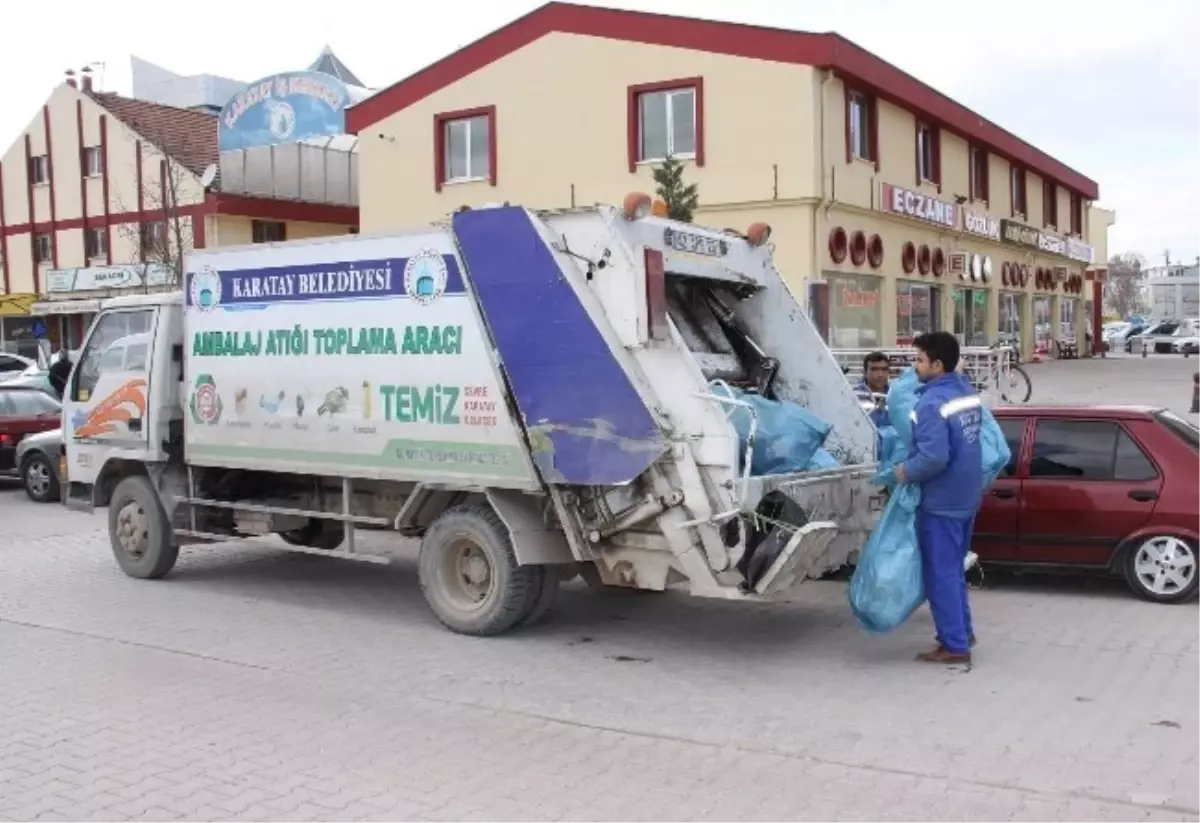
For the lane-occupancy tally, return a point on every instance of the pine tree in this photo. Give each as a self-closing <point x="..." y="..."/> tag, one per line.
<point x="681" y="198"/>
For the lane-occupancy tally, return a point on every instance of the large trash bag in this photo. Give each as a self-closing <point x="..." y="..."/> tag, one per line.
<point x="887" y="586"/>
<point x="901" y="401"/>
<point x="891" y="450"/>
<point x="786" y="438"/>
<point x="822" y="459"/>
<point x="996" y="453"/>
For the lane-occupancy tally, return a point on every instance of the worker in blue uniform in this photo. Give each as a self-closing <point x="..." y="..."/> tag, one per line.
<point x="872" y="389"/>
<point x="946" y="461"/>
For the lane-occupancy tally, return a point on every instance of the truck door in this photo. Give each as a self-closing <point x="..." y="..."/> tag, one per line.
<point x="105" y="406"/>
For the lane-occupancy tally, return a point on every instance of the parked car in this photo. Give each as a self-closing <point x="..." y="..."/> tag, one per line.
<point x="23" y="412"/>
<point x="37" y="461"/>
<point x="12" y="365"/>
<point x="1189" y="344"/>
<point x="1162" y="336"/>
<point x="1111" y="489"/>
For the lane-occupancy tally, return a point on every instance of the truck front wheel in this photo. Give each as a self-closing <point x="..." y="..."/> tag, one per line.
<point x="469" y="573"/>
<point x="139" y="531"/>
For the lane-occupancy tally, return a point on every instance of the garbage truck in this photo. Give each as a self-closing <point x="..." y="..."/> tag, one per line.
<point x="531" y="394"/>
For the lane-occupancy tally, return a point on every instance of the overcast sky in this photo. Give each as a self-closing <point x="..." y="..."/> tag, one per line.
<point x="1110" y="88"/>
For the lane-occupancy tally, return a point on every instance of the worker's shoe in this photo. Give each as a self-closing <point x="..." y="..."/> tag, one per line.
<point x="941" y="655"/>
<point x="970" y="641"/>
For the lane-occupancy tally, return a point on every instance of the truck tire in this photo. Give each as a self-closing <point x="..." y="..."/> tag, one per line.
<point x="318" y="534"/>
<point x="469" y="573"/>
<point x="544" y="596"/>
<point x="140" y="531"/>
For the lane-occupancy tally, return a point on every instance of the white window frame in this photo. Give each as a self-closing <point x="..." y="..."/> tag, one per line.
<point x="39" y="170"/>
<point x="93" y="161"/>
<point x="668" y="96"/>
<point x="39" y="258"/>
<point x="925" y="153"/>
<point x="860" y="126"/>
<point x="468" y="124"/>
<point x="100" y="252"/>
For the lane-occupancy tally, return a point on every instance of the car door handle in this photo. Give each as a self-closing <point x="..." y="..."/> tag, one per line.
<point x="135" y="424"/>
<point x="1004" y="494"/>
<point x="1143" y="495"/>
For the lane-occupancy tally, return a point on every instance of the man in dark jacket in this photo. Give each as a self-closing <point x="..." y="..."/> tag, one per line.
<point x="60" y="372"/>
<point x="947" y="462"/>
<point x="871" y="390"/>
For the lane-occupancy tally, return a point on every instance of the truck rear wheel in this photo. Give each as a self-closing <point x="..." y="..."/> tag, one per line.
<point x="469" y="573"/>
<point x="139" y="530"/>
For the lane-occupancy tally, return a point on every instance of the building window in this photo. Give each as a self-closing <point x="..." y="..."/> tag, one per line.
<point x="1010" y="319"/>
<point x="1017" y="177"/>
<point x="39" y="169"/>
<point x="666" y="119"/>
<point x="93" y="161"/>
<point x="928" y="155"/>
<point x="95" y="242"/>
<point x="465" y="150"/>
<point x="855" y="311"/>
<point x="1049" y="204"/>
<point x="860" y="126"/>
<point x="979" y="174"/>
<point x="267" y="231"/>
<point x="43" y="248"/>
<point x="1076" y="215"/>
<point x="154" y="237"/>
<point x="970" y="316"/>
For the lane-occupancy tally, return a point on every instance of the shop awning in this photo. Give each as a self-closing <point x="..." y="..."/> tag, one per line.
<point x="45" y="308"/>
<point x="16" y="305"/>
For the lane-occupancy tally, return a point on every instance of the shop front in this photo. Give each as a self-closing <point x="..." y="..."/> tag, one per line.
<point x="16" y="326"/>
<point x="970" y="315"/>
<point x="1043" y="328"/>
<point x="73" y="297"/>
<point x="848" y="310"/>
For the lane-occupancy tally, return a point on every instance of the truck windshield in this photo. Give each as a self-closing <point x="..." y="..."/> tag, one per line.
<point x="1182" y="429"/>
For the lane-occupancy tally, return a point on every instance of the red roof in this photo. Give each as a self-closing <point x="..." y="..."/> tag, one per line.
<point x="826" y="51"/>
<point x="188" y="137"/>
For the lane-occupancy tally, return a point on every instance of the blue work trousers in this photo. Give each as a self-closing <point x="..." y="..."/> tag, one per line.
<point x="944" y="543"/>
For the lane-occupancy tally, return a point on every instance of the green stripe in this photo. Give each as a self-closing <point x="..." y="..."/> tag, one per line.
<point x="471" y="459"/>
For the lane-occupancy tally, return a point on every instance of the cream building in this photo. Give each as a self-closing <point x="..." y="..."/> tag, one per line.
<point x="894" y="209"/>
<point x="101" y="193"/>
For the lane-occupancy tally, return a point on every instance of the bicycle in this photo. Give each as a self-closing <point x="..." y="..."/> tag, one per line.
<point x="1019" y="387"/>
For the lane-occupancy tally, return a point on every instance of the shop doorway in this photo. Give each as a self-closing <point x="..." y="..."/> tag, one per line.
<point x="1042" y="331"/>
<point x="918" y="310"/>
<point x="1009" y="332"/>
<point x="970" y="316"/>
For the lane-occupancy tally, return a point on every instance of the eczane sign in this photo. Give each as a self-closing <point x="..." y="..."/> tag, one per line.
<point x="919" y="206"/>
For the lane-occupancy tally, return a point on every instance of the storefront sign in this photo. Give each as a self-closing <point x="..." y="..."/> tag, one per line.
<point x="1019" y="234"/>
<point x="95" y="278"/>
<point x="1052" y="243"/>
<point x="1078" y="250"/>
<point x="982" y="225"/>
<point x="920" y="206"/>
<point x="857" y="299"/>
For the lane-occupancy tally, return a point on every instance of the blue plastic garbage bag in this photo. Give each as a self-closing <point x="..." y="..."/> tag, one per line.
<point x="887" y="586"/>
<point x="822" y="459"/>
<point x="996" y="453"/>
<point x="890" y="452"/>
<point x="787" y="437"/>
<point x="901" y="401"/>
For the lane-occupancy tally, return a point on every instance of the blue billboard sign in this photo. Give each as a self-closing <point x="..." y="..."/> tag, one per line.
<point x="284" y="108"/>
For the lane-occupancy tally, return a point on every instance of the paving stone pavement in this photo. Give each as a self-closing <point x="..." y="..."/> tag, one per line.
<point x="255" y="684"/>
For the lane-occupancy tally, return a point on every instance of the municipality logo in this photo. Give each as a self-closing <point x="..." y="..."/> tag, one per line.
<point x="425" y="276"/>
<point x="205" y="404"/>
<point x="205" y="289"/>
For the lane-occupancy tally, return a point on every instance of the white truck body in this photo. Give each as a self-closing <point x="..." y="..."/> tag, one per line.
<point x="530" y="394"/>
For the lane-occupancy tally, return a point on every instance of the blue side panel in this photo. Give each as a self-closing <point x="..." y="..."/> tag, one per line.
<point x="587" y="423"/>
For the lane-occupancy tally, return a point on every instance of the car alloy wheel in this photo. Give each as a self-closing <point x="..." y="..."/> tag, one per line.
<point x="1163" y="569"/>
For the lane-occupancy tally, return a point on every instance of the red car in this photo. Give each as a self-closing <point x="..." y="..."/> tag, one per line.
<point x="23" y="411"/>
<point x="1113" y="489"/>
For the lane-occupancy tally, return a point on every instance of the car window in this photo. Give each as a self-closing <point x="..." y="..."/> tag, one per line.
<point x="1088" y="450"/>
<point x="106" y="350"/>
<point x="11" y="364"/>
<point x="1014" y="430"/>
<point x="31" y="403"/>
